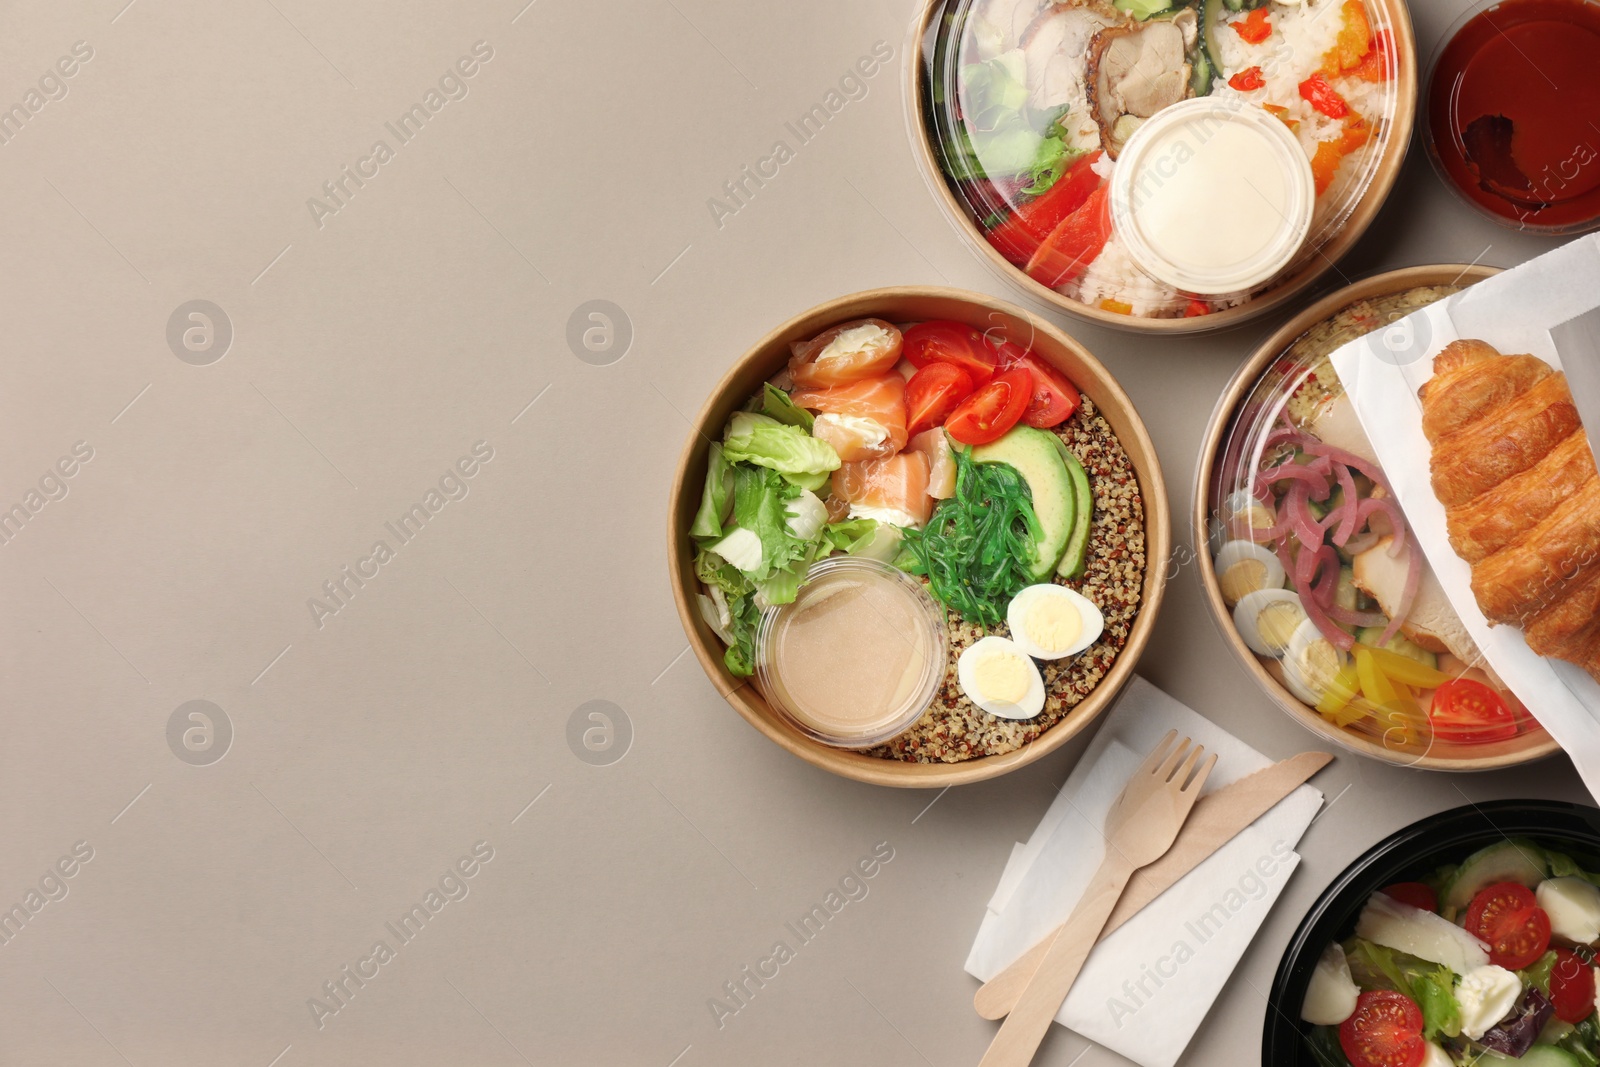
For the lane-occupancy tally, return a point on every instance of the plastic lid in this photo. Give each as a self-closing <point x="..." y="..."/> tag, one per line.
<point x="1212" y="196"/>
<point x="1027" y="111"/>
<point x="857" y="656"/>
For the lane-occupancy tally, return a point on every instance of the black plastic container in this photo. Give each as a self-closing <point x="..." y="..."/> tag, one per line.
<point x="1407" y="855"/>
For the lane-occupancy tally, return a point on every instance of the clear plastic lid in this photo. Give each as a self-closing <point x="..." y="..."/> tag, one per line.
<point x="1302" y="543"/>
<point x="1031" y="112"/>
<point x="856" y="658"/>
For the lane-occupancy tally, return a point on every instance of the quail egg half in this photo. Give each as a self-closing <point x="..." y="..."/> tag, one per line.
<point x="997" y="675"/>
<point x="1310" y="663"/>
<point x="1243" y="567"/>
<point x="1247" y="517"/>
<point x="1267" y="619"/>
<point x="1050" y="621"/>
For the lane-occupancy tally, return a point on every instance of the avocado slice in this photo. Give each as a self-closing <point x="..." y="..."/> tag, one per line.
<point x="1075" y="560"/>
<point x="1035" y="456"/>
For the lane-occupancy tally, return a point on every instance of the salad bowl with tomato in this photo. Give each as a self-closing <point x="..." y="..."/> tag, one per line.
<point x="1025" y="115"/>
<point x="1309" y="567"/>
<point x="1469" y="937"/>
<point x="949" y="440"/>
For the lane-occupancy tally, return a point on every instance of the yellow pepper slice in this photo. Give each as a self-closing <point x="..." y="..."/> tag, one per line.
<point x="1338" y="705"/>
<point x="1405" y="670"/>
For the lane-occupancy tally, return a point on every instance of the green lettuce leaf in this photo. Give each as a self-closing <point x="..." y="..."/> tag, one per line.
<point x="714" y="501"/>
<point x="766" y="442"/>
<point x="1435" y="994"/>
<point x="759" y="495"/>
<point x="1584" y="1042"/>
<point x="775" y="404"/>
<point x="1142" y="9"/>
<point x="1564" y="866"/>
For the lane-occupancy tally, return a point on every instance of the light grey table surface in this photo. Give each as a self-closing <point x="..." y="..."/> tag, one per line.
<point x="368" y="750"/>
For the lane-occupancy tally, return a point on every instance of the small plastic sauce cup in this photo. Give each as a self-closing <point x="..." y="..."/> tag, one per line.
<point x="1212" y="196"/>
<point x="858" y="655"/>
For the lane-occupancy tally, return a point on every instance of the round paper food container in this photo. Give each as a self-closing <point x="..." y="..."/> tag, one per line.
<point x="1409" y="855"/>
<point x="1233" y="529"/>
<point x="1020" y="112"/>
<point x="999" y="319"/>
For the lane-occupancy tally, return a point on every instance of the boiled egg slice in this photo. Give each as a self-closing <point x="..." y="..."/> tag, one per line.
<point x="1247" y="518"/>
<point x="1267" y="619"/>
<point x="997" y="676"/>
<point x="1050" y="621"/>
<point x="1310" y="663"/>
<point x="1243" y="567"/>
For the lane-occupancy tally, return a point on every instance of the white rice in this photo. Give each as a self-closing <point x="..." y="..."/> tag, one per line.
<point x="1301" y="35"/>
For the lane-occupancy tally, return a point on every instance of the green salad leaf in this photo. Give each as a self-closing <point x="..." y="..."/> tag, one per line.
<point x="1537" y="974"/>
<point x="1050" y="161"/>
<point x="759" y="496"/>
<point x="1564" y="866"/>
<point x="766" y="442"/>
<point x="776" y="404"/>
<point x="1431" y="985"/>
<point x="1002" y="135"/>
<point x="1584" y="1042"/>
<point x="714" y="501"/>
<point x="1142" y="9"/>
<point x="1434" y="993"/>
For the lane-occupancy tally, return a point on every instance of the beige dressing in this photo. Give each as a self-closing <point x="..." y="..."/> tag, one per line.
<point x="850" y="653"/>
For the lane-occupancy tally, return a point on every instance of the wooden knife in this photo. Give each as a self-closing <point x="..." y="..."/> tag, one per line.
<point x="1215" y="821"/>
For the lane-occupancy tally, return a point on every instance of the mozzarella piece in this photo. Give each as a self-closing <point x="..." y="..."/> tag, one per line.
<point x="1573" y="906"/>
<point x="1435" y="1056"/>
<point x="1331" y="996"/>
<point x="1486" y="995"/>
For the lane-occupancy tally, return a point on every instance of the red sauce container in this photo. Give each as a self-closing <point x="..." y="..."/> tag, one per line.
<point x="1513" y="113"/>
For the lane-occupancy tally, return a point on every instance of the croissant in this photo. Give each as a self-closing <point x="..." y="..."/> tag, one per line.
<point x="1514" y="470"/>
<point x="1492" y="520"/>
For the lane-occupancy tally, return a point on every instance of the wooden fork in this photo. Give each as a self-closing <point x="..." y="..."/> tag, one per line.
<point x="1141" y="826"/>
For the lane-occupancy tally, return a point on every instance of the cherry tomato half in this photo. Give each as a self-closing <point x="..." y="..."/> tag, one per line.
<point x="933" y="393"/>
<point x="1385" y="1030"/>
<point x="940" y="341"/>
<point x="987" y="414"/>
<point x="1571" y="987"/>
<point x="1507" y="919"/>
<point x="1413" y="893"/>
<point x="1466" y="711"/>
<point x="1054" y="398"/>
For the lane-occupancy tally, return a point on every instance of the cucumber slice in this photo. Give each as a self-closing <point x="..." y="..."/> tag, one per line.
<point x="1515" y="860"/>
<point x="1537" y="1056"/>
<point x="1369" y="635"/>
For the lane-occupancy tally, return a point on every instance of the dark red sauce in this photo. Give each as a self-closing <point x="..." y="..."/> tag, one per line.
<point x="1514" y="112"/>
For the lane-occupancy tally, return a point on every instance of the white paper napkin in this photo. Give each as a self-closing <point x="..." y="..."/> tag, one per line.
<point x="1517" y="311"/>
<point x="1144" y="990"/>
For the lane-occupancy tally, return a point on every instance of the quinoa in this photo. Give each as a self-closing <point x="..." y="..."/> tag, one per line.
<point x="954" y="729"/>
<point x="1314" y="348"/>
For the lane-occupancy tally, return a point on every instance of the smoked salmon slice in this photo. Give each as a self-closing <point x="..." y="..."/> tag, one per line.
<point x="846" y="353"/>
<point x="861" y="420"/>
<point x="893" y="489"/>
<point x="941" y="461"/>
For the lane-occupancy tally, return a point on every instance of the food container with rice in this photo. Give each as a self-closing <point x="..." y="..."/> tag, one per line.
<point x="1312" y="569"/>
<point x="1171" y="165"/>
<point x="911" y="536"/>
